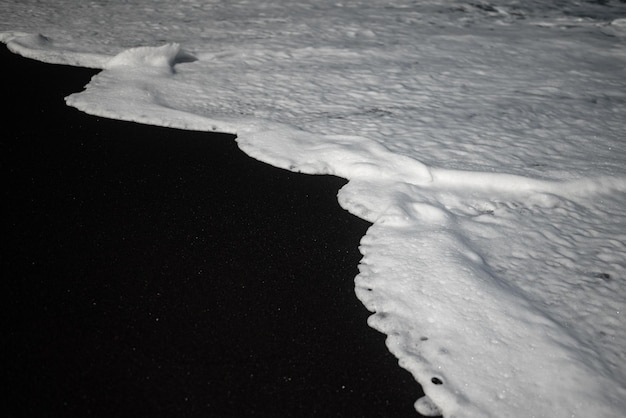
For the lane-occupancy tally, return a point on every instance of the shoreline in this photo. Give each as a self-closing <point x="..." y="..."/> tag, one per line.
<point x="154" y="271"/>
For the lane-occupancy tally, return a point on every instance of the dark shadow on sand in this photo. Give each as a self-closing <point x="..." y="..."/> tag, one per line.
<point x="157" y="272"/>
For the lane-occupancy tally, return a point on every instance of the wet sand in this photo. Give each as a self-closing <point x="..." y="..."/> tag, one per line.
<point x="159" y="272"/>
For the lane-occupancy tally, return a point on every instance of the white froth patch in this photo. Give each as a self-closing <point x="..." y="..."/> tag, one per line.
<point x="44" y="48"/>
<point x="344" y="156"/>
<point x="131" y="88"/>
<point x="163" y="57"/>
<point x="505" y="323"/>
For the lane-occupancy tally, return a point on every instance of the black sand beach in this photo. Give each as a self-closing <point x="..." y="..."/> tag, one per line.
<point x="157" y="272"/>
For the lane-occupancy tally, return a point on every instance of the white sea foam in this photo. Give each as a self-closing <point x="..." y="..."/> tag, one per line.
<point x="484" y="141"/>
<point x="43" y="48"/>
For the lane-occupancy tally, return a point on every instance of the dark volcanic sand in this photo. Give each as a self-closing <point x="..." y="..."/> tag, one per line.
<point x="157" y="272"/>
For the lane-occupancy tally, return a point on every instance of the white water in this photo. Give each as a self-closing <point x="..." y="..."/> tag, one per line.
<point x="484" y="141"/>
